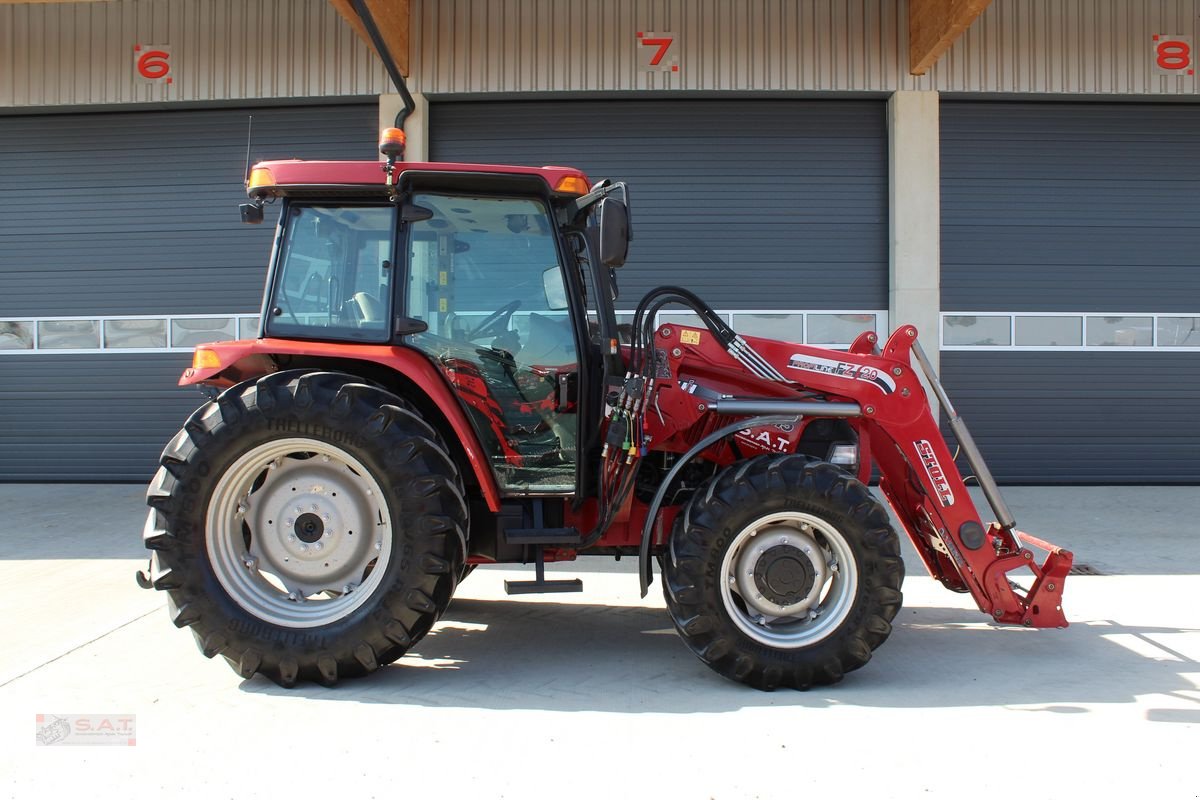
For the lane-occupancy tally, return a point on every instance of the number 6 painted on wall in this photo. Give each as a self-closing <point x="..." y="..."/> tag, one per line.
<point x="152" y="63"/>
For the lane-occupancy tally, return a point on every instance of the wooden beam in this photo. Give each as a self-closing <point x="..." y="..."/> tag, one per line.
<point x="934" y="25"/>
<point x="391" y="16"/>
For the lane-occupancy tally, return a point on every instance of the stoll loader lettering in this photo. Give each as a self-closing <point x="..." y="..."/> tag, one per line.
<point x="441" y="382"/>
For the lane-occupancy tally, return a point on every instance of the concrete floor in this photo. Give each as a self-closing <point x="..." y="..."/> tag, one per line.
<point x="591" y="695"/>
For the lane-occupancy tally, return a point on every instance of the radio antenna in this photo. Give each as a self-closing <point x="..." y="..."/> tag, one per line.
<point x="249" y="136"/>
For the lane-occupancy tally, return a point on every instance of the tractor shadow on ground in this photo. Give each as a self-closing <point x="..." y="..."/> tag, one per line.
<point x="575" y="657"/>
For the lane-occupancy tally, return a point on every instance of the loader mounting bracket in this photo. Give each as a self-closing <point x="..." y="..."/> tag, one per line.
<point x="1041" y="607"/>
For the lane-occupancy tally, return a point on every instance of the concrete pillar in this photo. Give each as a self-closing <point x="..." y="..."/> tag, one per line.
<point x="914" y="216"/>
<point x="416" y="127"/>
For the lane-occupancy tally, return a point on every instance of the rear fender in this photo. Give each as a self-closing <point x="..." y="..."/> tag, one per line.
<point x="222" y="364"/>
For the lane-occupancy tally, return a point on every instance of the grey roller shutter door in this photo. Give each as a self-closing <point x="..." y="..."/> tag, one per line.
<point x="137" y="212"/>
<point x="1075" y="208"/>
<point x="132" y="213"/>
<point x="89" y="418"/>
<point x="1102" y="418"/>
<point x="753" y="204"/>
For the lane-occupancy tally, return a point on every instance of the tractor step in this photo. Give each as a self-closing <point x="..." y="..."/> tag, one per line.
<point x="539" y="537"/>
<point x="542" y="536"/>
<point x="543" y="586"/>
<point x="539" y="584"/>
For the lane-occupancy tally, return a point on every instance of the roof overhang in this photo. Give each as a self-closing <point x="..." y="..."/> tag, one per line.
<point x="934" y="25"/>
<point x="391" y="17"/>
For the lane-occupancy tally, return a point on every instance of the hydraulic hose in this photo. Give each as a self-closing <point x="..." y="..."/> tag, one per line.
<point x="644" y="569"/>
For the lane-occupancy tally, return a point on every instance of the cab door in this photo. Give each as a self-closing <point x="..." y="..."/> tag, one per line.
<point x="485" y="273"/>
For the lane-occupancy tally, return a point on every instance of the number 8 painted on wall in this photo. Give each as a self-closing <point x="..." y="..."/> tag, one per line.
<point x="1173" y="54"/>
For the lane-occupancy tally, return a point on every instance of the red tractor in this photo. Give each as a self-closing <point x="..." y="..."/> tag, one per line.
<point x="441" y="381"/>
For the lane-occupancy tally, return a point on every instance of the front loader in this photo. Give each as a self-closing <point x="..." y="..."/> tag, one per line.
<point x="441" y="381"/>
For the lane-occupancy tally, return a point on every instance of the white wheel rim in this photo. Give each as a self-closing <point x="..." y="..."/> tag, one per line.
<point x="822" y="600"/>
<point x="299" y="532"/>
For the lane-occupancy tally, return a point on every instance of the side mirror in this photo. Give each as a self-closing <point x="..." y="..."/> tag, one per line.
<point x="407" y="326"/>
<point x="556" y="291"/>
<point x="612" y="217"/>
<point x="252" y="213"/>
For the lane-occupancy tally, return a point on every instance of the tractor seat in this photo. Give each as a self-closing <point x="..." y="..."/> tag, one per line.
<point x="369" y="307"/>
<point x="551" y="342"/>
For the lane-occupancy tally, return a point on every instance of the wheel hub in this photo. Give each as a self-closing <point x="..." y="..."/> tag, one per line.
<point x="780" y="571"/>
<point x="309" y="528"/>
<point x="784" y="575"/>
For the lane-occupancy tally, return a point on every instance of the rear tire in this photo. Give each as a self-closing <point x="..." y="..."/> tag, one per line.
<point x="783" y="571"/>
<point x="306" y="526"/>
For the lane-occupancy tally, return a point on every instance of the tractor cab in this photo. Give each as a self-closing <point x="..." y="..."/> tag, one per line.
<point x="485" y="270"/>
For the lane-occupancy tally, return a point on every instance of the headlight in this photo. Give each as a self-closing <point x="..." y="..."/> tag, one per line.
<point x="845" y="455"/>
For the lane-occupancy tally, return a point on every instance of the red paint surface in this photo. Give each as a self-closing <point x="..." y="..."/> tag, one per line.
<point x="370" y="173"/>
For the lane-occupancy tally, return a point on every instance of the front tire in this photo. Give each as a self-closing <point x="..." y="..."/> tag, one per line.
<point x="306" y="526"/>
<point x="783" y="571"/>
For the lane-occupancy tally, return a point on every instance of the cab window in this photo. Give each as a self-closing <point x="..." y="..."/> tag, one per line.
<point x="334" y="274"/>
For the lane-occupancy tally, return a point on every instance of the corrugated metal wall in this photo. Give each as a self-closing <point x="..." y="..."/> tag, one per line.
<point x="550" y="45"/>
<point x="1057" y="46"/>
<point x="135" y="212"/>
<point x="81" y="53"/>
<point x="1069" y="47"/>
<point x="57" y="54"/>
<point x="791" y="195"/>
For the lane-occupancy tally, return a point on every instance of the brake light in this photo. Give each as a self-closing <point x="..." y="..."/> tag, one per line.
<point x="572" y="184"/>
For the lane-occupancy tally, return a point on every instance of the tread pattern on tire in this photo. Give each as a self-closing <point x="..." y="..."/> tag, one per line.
<point x="735" y="497"/>
<point x="426" y="499"/>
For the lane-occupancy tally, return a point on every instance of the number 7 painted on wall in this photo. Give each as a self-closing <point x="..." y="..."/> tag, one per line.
<point x="657" y="57"/>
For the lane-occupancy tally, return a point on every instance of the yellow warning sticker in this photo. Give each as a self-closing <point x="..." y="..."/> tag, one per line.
<point x="443" y="306"/>
<point x="689" y="337"/>
<point x="443" y="278"/>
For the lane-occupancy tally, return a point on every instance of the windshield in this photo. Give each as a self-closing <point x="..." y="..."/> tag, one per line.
<point x="477" y="254"/>
<point x="334" y="275"/>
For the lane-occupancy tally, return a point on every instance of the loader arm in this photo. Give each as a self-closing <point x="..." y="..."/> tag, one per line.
<point x="880" y="390"/>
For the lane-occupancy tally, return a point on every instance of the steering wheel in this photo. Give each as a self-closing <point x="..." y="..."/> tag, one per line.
<point x="498" y="319"/>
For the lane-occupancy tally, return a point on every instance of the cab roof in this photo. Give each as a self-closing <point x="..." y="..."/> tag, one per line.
<point x="369" y="175"/>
